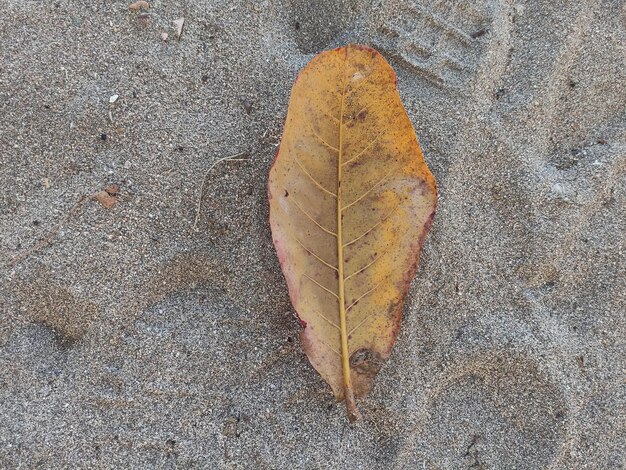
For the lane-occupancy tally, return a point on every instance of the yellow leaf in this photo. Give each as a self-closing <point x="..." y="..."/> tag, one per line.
<point x="351" y="200"/>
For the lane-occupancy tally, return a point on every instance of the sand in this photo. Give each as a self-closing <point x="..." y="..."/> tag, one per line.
<point x="131" y="339"/>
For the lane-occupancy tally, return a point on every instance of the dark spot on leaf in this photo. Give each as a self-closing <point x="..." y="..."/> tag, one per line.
<point x="366" y="362"/>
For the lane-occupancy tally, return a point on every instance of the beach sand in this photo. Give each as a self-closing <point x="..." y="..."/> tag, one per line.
<point x="142" y="336"/>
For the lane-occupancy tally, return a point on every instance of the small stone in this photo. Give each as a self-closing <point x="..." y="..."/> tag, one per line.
<point x="113" y="98"/>
<point x="164" y="36"/>
<point x="143" y="18"/>
<point x="139" y="5"/>
<point x="247" y="104"/>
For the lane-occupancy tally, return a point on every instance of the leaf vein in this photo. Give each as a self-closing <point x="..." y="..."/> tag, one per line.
<point x="363" y="295"/>
<point x="380" y="222"/>
<point x="318" y="284"/>
<point x="319" y="137"/>
<point x="315" y="255"/>
<point x="327" y="320"/>
<point x="361" y="322"/>
<point x="313" y="220"/>
<point x="369" y="190"/>
<point x="367" y="265"/>
<point x="364" y="149"/>
<point x="317" y="183"/>
<point x="327" y="113"/>
<point x="329" y="346"/>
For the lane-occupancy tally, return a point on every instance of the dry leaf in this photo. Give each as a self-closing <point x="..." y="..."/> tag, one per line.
<point x="178" y="24"/>
<point x="113" y="189"/>
<point x="140" y="5"/>
<point x="105" y="199"/>
<point x="108" y="196"/>
<point x="351" y="201"/>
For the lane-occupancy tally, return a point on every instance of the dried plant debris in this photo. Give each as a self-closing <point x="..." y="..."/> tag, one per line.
<point x="139" y="5"/>
<point x="178" y="25"/>
<point x="351" y="201"/>
<point x="108" y="196"/>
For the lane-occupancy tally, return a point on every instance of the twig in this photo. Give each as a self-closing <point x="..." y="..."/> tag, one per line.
<point x="51" y="234"/>
<point x="230" y="158"/>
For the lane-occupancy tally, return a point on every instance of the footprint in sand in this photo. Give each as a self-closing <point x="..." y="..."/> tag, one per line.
<point x="443" y="43"/>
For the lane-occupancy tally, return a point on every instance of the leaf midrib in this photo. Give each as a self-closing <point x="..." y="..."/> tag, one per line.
<point x="345" y="357"/>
